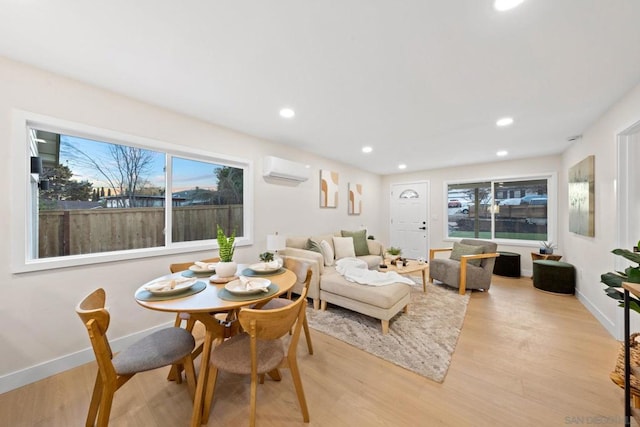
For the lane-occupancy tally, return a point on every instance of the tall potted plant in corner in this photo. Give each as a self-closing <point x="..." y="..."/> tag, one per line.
<point x="613" y="281"/>
<point x="226" y="245"/>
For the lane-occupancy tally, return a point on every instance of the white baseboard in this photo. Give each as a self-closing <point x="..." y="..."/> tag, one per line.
<point x="605" y="321"/>
<point x="43" y="370"/>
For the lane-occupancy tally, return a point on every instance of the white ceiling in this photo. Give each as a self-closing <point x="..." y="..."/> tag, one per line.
<point x="421" y="81"/>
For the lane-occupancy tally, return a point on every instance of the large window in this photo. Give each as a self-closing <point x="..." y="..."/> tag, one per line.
<point x="508" y="209"/>
<point x="100" y="196"/>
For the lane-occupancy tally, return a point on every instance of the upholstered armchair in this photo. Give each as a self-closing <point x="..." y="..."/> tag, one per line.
<point x="470" y="265"/>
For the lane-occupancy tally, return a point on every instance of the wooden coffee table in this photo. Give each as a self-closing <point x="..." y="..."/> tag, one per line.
<point x="411" y="267"/>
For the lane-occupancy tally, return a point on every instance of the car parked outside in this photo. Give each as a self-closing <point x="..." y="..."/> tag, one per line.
<point x="527" y="199"/>
<point x="507" y="202"/>
<point x="538" y="201"/>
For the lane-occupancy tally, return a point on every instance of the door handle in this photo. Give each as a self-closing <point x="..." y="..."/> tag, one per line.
<point x="422" y="228"/>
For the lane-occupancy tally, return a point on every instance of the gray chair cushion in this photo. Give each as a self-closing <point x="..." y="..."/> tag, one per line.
<point x="234" y="355"/>
<point x="161" y="348"/>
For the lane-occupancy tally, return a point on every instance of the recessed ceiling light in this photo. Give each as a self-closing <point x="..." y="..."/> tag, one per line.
<point x="505" y="121"/>
<point x="287" y="113"/>
<point x="367" y="149"/>
<point x="504" y="5"/>
<point x="402" y="166"/>
<point x="502" y="153"/>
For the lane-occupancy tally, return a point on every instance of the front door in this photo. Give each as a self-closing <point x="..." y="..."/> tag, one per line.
<point x="409" y="214"/>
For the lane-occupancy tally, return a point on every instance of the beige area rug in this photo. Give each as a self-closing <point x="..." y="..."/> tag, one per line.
<point x="421" y="341"/>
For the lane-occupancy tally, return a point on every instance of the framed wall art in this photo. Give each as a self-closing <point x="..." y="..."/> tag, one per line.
<point x="328" y="189"/>
<point x="582" y="197"/>
<point x="355" y="199"/>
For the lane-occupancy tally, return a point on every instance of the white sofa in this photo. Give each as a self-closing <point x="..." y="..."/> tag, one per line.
<point x="297" y="248"/>
<point x="328" y="286"/>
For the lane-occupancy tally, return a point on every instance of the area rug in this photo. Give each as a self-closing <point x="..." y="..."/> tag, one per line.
<point x="422" y="340"/>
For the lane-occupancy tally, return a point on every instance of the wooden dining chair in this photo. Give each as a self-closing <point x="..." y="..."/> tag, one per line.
<point x="158" y="349"/>
<point x="303" y="274"/>
<point x="260" y="350"/>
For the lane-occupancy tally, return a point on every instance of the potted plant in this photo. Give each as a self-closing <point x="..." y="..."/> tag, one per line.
<point x="547" y="248"/>
<point x="226" y="245"/>
<point x="266" y="257"/>
<point x="393" y="252"/>
<point x="613" y="281"/>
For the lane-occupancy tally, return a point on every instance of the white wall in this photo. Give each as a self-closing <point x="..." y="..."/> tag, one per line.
<point x="437" y="207"/>
<point x="40" y="331"/>
<point x="592" y="255"/>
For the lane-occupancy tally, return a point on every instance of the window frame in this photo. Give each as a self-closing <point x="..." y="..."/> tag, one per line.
<point x="22" y="208"/>
<point x="552" y="207"/>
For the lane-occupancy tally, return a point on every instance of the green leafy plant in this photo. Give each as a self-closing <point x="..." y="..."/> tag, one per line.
<point x="548" y="245"/>
<point x="394" y="251"/>
<point x="613" y="280"/>
<point x="226" y="245"/>
<point x="266" y="257"/>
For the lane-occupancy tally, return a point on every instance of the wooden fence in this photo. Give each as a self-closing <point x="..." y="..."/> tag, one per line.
<point x="84" y="231"/>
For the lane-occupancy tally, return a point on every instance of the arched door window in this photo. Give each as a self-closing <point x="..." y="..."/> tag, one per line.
<point x="409" y="194"/>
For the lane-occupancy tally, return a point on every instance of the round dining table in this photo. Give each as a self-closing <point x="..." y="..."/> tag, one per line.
<point x="202" y="306"/>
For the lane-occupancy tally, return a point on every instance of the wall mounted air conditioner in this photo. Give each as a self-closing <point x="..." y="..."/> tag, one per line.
<point x="275" y="167"/>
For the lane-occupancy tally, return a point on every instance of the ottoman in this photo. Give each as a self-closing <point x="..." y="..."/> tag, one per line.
<point x="507" y="264"/>
<point x="380" y="302"/>
<point x="554" y="276"/>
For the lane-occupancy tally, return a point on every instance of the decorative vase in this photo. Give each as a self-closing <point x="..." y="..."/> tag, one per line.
<point x="226" y="269"/>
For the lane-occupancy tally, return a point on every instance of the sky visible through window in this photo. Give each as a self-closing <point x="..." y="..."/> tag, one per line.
<point x="79" y="154"/>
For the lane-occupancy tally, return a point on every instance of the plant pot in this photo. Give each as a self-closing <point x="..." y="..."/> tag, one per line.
<point x="226" y="269"/>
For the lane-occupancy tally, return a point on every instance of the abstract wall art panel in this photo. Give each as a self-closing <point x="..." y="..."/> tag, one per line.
<point x="582" y="197"/>
<point x="328" y="189"/>
<point x="355" y="199"/>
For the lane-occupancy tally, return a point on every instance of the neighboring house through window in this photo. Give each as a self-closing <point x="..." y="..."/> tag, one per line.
<point x="516" y="209"/>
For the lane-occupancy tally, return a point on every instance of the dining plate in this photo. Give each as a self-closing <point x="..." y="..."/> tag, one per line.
<point x="238" y="288"/>
<point x="156" y="288"/>
<point x="210" y="268"/>
<point x="263" y="267"/>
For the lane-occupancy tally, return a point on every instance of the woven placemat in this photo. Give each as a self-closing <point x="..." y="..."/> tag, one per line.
<point x="144" y="295"/>
<point x="226" y="295"/>
<point x="252" y="273"/>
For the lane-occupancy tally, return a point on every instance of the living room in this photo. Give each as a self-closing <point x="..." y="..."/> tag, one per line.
<point x="38" y="305"/>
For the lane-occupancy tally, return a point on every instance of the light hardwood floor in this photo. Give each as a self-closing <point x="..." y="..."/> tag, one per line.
<point x="524" y="358"/>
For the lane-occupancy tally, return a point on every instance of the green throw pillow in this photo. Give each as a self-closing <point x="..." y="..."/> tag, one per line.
<point x="359" y="241"/>
<point x="314" y="246"/>
<point x="460" y="249"/>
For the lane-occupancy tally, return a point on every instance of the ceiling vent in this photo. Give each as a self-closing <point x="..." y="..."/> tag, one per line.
<point x="275" y="167"/>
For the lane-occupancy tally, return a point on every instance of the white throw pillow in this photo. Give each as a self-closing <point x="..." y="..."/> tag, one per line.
<point x="344" y="247"/>
<point x="327" y="252"/>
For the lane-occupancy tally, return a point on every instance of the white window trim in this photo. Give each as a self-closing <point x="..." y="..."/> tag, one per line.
<point x="21" y="206"/>
<point x="552" y="207"/>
